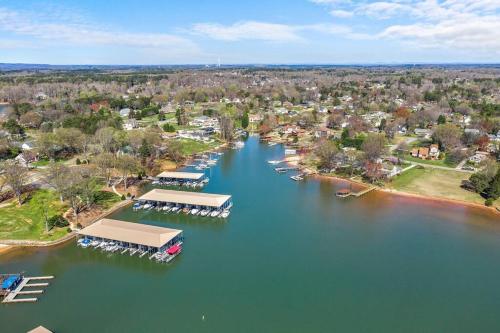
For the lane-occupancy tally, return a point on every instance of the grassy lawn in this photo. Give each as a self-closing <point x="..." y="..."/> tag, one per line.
<point x="190" y="147"/>
<point x="440" y="162"/>
<point x="44" y="162"/>
<point x="106" y="200"/>
<point x="436" y="183"/>
<point x="27" y="221"/>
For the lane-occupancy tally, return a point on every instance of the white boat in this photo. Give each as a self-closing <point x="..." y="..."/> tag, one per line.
<point x="239" y="144"/>
<point x="225" y="214"/>
<point x="215" y="213"/>
<point x="270" y="144"/>
<point x="194" y="211"/>
<point x="297" y="177"/>
<point x="147" y="206"/>
<point x="175" y="209"/>
<point x="274" y="162"/>
<point x="166" y="208"/>
<point x="94" y="243"/>
<point x="204" y="212"/>
<point x="212" y="162"/>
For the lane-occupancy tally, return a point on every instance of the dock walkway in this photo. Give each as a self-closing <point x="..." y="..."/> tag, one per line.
<point x="363" y="192"/>
<point x="11" y="297"/>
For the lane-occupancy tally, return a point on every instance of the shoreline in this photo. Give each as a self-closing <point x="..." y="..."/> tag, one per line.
<point x="416" y="195"/>
<point x="8" y="245"/>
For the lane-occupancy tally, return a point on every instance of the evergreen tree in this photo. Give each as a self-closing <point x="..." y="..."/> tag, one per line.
<point x="245" y="120"/>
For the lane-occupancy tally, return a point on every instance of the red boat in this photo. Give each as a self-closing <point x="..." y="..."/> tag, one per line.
<point x="174" y="249"/>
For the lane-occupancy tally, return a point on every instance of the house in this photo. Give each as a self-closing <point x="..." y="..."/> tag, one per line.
<point x="130" y="124"/>
<point x="26" y="158"/>
<point x="423" y="132"/>
<point x="472" y="131"/>
<point x="434" y="151"/>
<point x="322" y="132"/>
<point x="255" y="118"/>
<point x="27" y="146"/>
<point x="41" y="96"/>
<point x="422" y="152"/>
<point x="125" y="112"/>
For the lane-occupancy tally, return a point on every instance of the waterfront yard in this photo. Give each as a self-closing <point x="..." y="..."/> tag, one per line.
<point x="436" y="183"/>
<point x="27" y="221"/>
<point x="190" y="147"/>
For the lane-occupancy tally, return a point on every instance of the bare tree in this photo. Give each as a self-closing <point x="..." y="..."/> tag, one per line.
<point x="127" y="165"/>
<point x="16" y="176"/>
<point x="57" y="175"/>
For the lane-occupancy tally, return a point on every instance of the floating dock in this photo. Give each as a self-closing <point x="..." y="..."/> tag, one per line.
<point x="12" y="294"/>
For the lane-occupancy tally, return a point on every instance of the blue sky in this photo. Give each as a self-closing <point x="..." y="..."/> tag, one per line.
<point x="243" y="32"/>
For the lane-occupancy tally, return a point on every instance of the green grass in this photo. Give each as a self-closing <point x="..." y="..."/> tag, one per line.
<point x="190" y="147"/>
<point x="436" y="183"/>
<point x="440" y="162"/>
<point x="106" y="200"/>
<point x="402" y="181"/>
<point x="44" y="162"/>
<point x="27" y="221"/>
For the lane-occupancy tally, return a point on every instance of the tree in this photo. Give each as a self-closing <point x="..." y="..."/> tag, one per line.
<point x="48" y="145"/>
<point x="13" y="127"/>
<point x="326" y="151"/>
<point x="105" y="163"/>
<point x="244" y="120"/>
<point x="56" y="176"/>
<point x="16" y="176"/>
<point x="127" y="165"/>
<point x="174" y="151"/>
<point x="80" y="190"/>
<point x="31" y="119"/>
<point x="441" y="119"/>
<point x="493" y="190"/>
<point x="479" y="182"/>
<point x="374" y="146"/>
<point x="447" y="136"/>
<point x="226" y="127"/>
<point x="168" y="128"/>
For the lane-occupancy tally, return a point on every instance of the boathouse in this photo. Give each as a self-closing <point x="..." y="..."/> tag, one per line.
<point x="181" y="177"/>
<point x="185" y="199"/>
<point x="132" y="235"/>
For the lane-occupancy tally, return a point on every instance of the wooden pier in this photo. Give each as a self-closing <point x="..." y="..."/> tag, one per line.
<point x="344" y="193"/>
<point x="11" y="297"/>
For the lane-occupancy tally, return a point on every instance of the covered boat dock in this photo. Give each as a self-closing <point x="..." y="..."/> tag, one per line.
<point x="174" y="178"/>
<point x="133" y="237"/>
<point x="184" y="199"/>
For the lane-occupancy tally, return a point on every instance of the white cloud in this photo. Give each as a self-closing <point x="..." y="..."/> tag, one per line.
<point x="271" y="32"/>
<point x="51" y="28"/>
<point x="468" y="25"/>
<point x="342" y="13"/>
<point x="249" y="30"/>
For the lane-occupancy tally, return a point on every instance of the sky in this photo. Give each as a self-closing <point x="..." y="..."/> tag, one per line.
<point x="160" y="32"/>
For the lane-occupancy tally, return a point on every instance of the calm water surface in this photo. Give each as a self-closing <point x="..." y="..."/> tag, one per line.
<point x="291" y="258"/>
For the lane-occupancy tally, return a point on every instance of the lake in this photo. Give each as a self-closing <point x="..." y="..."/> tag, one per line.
<point x="3" y="108"/>
<point x="292" y="257"/>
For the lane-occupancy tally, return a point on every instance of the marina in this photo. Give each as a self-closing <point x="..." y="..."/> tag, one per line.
<point x="292" y="250"/>
<point x="187" y="179"/>
<point x="109" y="235"/>
<point x="193" y="203"/>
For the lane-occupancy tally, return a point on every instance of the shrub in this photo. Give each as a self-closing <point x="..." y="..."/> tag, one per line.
<point x="57" y="221"/>
<point x="123" y="197"/>
<point x="78" y="162"/>
<point x="489" y="202"/>
<point x="129" y="195"/>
